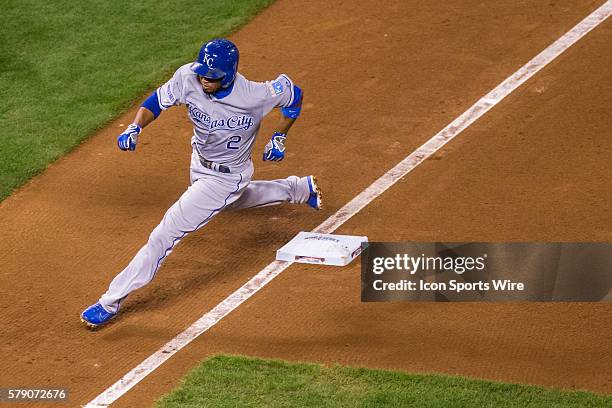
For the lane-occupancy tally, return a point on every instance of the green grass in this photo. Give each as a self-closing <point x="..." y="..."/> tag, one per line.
<point x="231" y="381"/>
<point x="67" y="68"/>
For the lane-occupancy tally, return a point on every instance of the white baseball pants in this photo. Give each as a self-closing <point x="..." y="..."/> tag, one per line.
<point x="210" y="193"/>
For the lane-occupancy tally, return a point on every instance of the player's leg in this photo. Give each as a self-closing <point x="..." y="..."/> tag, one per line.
<point x="293" y="189"/>
<point x="204" y="199"/>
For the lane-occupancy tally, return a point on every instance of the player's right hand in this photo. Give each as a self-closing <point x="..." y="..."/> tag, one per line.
<point x="128" y="139"/>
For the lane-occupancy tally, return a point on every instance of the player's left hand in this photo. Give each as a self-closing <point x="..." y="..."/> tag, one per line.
<point x="275" y="149"/>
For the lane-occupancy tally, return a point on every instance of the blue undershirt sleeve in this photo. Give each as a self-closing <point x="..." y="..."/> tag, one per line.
<point x="152" y="104"/>
<point x="293" y="111"/>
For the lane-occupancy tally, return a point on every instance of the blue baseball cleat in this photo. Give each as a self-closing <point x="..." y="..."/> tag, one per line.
<point x="316" y="197"/>
<point x="96" y="315"/>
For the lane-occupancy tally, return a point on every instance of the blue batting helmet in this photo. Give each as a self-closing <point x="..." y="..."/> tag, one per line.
<point x="218" y="59"/>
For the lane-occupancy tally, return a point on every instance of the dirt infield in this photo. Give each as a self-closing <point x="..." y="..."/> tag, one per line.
<point x="378" y="83"/>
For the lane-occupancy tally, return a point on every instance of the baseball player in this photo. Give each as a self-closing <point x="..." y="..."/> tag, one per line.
<point x="226" y="110"/>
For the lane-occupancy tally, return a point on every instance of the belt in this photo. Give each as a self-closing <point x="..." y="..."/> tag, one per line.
<point x="214" y="166"/>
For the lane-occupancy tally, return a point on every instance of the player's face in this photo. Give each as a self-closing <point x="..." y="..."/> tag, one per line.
<point x="209" y="85"/>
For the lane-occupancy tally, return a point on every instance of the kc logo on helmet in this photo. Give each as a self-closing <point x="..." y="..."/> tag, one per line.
<point x="208" y="60"/>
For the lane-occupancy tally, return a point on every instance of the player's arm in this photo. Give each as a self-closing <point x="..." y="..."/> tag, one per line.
<point x="148" y="112"/>
<point x="284" y="124"/>
<point x="291" y="112"/>
<point x="275" y="149"/>
<point x="162" y="99"/>
<point x="144" y="116"/>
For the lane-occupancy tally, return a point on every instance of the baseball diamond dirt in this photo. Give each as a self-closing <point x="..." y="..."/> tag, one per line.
<point x="378" y="82"/>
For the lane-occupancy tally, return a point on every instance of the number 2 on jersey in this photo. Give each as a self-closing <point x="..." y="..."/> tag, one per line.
<point x="233" y="142"/>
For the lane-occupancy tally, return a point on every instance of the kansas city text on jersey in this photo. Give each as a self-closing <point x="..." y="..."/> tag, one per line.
<point x="232" y="123"/>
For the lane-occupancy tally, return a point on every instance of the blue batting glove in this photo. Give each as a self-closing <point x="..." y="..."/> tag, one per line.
<point x="275" y="149"/>
<point x="128" y="139"/>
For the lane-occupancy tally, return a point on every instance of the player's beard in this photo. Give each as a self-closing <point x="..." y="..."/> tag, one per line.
<point x="212" y="88"/>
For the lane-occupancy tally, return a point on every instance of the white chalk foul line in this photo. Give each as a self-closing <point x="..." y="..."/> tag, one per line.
<point x="274" y="269"/>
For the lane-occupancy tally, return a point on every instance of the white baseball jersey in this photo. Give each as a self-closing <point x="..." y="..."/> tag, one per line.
<point x="225" y="128"/>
